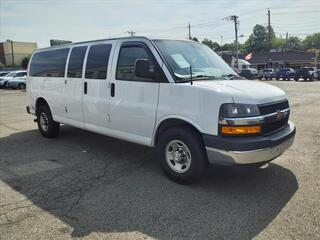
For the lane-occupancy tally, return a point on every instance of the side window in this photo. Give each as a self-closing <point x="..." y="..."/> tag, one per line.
<point x="49" y="63"/>
<point x="76" y="62"/>
<point x="20" y="74"/>
<point x="126" y="61"/>
<point x="97" y="61"/>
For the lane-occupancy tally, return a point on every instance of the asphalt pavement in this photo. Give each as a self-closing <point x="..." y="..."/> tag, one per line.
<point x="85" y="185"/>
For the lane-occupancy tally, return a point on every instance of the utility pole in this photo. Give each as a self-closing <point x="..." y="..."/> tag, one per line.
<point x="221" y="41"/>
<point x="189" y="28"/>
<point x="131" y="33"/>
<point x="12" y="55"/>
<point x="269" y="29"/>
<point x="287" y="42"/>
<point x="235" y="19"/>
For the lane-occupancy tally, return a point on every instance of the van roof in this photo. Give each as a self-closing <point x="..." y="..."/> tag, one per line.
<point x="106" y="39"/>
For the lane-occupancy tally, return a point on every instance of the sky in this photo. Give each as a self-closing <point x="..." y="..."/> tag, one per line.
<point x="81" y="20"/>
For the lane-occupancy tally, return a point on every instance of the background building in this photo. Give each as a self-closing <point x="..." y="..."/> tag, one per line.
<point x="12" y="53"/>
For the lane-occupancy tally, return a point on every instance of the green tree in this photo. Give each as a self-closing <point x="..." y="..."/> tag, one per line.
<point x="279" y="43"/>
<point x="213" y="45"/>
<point x="311" y="42"/>
<point x="195" y="39"/>
<point x="294" y="43"/>
<point x="258" y="41"/>
<point x="228" y="47"/>
<point x="25" y="61"/>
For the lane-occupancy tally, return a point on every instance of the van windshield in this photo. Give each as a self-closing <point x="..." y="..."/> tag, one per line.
<point x="192" y="59"/>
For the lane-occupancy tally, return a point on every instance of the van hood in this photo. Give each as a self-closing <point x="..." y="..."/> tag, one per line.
<point x="244" y="91"/>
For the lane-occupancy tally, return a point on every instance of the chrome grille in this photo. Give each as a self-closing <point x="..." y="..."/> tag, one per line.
<point x="276" y="123"/>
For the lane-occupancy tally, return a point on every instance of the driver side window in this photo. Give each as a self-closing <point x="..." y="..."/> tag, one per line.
<point x="126" y="63"/>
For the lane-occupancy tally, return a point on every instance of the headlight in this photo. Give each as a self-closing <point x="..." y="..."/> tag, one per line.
<point x="232" y="119"/>
<point x="236" y="110"/>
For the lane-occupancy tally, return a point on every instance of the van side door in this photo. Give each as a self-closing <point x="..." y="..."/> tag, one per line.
<point x="133" y="100"/>
<point x="95" y="100"/>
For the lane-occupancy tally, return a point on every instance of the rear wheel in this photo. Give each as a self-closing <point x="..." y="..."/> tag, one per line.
<point x="182" y="155"/>
<point x="47" y="126"/>
<point x="21" y="86"/>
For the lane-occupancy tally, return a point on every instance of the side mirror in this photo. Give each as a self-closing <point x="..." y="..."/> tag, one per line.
<point x="142" y="69"/>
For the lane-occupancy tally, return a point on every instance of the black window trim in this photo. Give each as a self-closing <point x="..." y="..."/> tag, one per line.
<point x="84" y="63"/>
<point x="87" y="56"/>
<point x="160" y="77"/>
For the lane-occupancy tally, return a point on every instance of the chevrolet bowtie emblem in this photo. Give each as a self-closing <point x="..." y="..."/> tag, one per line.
<point x="280" y="115"/>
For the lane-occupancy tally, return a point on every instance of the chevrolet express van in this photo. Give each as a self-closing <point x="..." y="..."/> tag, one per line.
<point x="176" y="95"/>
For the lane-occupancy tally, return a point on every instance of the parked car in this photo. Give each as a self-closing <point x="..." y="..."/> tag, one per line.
<point x="306" y="73"/>
<point x="318" y="73"/>
<point x="12" y="75"/>
<point x="249" y="73"/>
<point x="285" y="74"/>
<point x="4" y="73"/>
<point x="17" y="83"/>
<point x="267" y="73"/>
<point x="176" y="95"/>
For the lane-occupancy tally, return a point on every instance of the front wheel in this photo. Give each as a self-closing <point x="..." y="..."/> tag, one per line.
<point x="47" y="126"/>
<point x="182" y="155"/>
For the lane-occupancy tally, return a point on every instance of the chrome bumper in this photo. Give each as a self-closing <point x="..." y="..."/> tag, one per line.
<point x="219" y="156"/>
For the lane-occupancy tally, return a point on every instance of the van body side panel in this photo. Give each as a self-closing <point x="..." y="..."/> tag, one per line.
<point x="197" y="106"/>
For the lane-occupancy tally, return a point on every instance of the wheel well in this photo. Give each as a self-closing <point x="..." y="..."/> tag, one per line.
<point x="173" y="122"/>
<point x="40" y="101"/>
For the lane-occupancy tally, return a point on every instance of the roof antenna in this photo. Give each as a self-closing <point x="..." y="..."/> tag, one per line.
<point x="191" y="82"/>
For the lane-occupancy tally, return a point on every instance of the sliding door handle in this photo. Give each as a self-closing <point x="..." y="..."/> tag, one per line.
<point x="85" y="88"/>
<point x="112" y="89"/>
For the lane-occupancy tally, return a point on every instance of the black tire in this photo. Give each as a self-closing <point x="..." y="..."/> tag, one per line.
<point x="51" y="128"/>
<point x="198" y="158"/>
<point x="277" y="79"/>
<point x="21" y="86"/>
<point x="296" y="79"/>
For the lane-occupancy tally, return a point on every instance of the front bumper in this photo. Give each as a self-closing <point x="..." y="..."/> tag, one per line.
<point x="248" y="150"/>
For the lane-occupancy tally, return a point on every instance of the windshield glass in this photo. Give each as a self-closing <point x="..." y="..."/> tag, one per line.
<point x="204" y="62"/>
<point x="11" y="74"/>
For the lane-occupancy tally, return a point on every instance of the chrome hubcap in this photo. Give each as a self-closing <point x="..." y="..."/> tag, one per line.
<point x="44" y="121"/>
<point x="178" y="156"/>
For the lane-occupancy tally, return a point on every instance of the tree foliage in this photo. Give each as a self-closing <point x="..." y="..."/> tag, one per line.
<point x="258" y="41"/>
<point x="25" y="62"/>
<point x="213" y="45"/>
<point x="311" y="42"/>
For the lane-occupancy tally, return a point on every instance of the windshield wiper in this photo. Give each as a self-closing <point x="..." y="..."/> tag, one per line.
<point x="233" y="77"/>
<point x="201" y="77"/>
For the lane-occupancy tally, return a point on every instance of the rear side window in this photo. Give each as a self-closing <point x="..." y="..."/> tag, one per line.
<point x="127" y="58"/>
<point x="97" y="61"/>
<point x="20" y="74"/>
<point x="49" y="63"/>
<point x="76" y="62"/>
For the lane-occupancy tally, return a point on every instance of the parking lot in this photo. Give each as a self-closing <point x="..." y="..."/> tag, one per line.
<point x="84" y="185"/>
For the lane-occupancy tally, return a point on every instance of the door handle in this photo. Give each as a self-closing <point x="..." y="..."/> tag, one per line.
<point x="85" y="88"/>
<point x="112" y="89"/>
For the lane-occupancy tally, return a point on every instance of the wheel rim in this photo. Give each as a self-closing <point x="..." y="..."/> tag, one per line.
<point x="178" y="156"/>
<point x="44" y="122"/>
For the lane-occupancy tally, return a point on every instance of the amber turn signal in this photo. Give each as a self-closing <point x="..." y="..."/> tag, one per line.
<point x="238" y="130"/>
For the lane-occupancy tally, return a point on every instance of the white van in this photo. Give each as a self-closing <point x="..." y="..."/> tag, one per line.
<point x="176" y="95"/>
